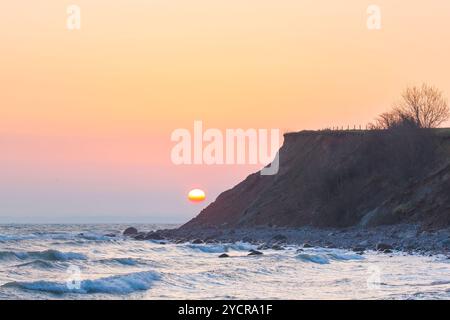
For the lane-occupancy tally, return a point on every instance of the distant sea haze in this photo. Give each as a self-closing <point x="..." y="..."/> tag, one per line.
<point x="93" y="219"/>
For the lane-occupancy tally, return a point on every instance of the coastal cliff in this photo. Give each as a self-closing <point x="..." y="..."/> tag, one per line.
<point x="336" y="179"/>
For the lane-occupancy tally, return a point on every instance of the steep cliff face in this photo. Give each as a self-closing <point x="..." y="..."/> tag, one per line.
<point x="339" y="179"/>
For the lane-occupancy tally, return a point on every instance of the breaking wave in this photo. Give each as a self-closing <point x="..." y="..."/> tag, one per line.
<point x="119" y="284"/>
<point x="324" y="258"/>
<point x="122" y="261"/>
<point x="315" y="258"/>
<point x="38" y="264"/>
<point x="50" y="255"/>
<point x="220" y="248"/>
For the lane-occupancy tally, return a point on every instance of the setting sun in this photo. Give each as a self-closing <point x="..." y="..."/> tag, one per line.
<point x="196" y="195"/>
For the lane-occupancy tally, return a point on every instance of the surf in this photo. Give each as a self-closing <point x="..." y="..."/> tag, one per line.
<point x="118" y="284"/>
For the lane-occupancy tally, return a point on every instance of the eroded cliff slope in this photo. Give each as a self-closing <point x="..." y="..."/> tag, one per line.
<point x="344" y="178"/>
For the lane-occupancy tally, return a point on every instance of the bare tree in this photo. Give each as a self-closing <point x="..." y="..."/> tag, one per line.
<point x="426" y="105"/>
<point x="393" y="119"/>
<point x="386" y="120"/>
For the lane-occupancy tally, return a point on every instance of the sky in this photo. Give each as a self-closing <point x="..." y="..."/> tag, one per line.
<point x="86" y="115"/>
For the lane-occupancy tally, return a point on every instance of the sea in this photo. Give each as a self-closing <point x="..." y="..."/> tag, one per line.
<point x="94" y="261"/>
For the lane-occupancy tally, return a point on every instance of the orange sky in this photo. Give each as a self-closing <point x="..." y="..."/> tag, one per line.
<point x="86" y="116"/>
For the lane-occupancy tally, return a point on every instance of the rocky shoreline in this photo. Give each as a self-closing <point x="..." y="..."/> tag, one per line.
<point x="406" y="238"/>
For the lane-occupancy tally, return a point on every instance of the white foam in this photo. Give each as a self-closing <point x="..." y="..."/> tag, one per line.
<point x="208" y="248"/>
<point x="120" y="284"/>
<point x="123" y="261"/>
<point x="52" y="255"/>
<point x="314" y="258"/>
<point x="345" y="256"/>
<point x="220" y="248"/>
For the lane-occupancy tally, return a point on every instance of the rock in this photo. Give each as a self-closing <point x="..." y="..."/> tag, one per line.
<point x="130" y="231"/>
<point x="264" y="246"/>
<point x="224" y="255"/>
<point x="139" y="236"/>
<point x="110" y="235"/>
<point x="280" y="238"/>
<point x="445" y="243"/>
<point x="358" y="249"/>
<point x="326" y="244"/>
<point x="277" y="247"/>
<point x="254" y="253"/>
<point x="307" y="245"/>
<point x="299" y="250"/>
<point x="197" y="241"/>
<point x="363" y="243"/>
<point x="383" y="246"/>
<point x="210" y="241"/>
<point x="153" y="235"/>
<point x="180" y="241"/>
<point x="330" y="245"/>
<point x="409" y="234"/>
<point x="387" y="251"/>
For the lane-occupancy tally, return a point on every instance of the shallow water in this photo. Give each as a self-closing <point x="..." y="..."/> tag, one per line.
<point x="80" y="262"/>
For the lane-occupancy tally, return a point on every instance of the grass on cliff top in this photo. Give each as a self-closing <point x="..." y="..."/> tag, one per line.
<point x="443" y="132"/>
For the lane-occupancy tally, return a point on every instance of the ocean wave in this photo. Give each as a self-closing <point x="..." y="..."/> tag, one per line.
<point x="440" y="283"/>
<point x="95" y="237"/>
<point x="324" y="258"/>
<point x="119" y="284"/>
<point x="39" y="264"/>
<point x="6" y="238"/>
<point x="89" y="236"/>
<point x="314" y="258"/>
<point x="345" y="256"/>
<point x="242" y="246"/>
<point x="208" y="248"/>
<point x="122" y="261"/>
<point x="51" y="255"/>
<point x="220" y="248"/>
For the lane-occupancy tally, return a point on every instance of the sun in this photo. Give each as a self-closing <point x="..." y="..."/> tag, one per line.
<point x="196" y="195"/>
